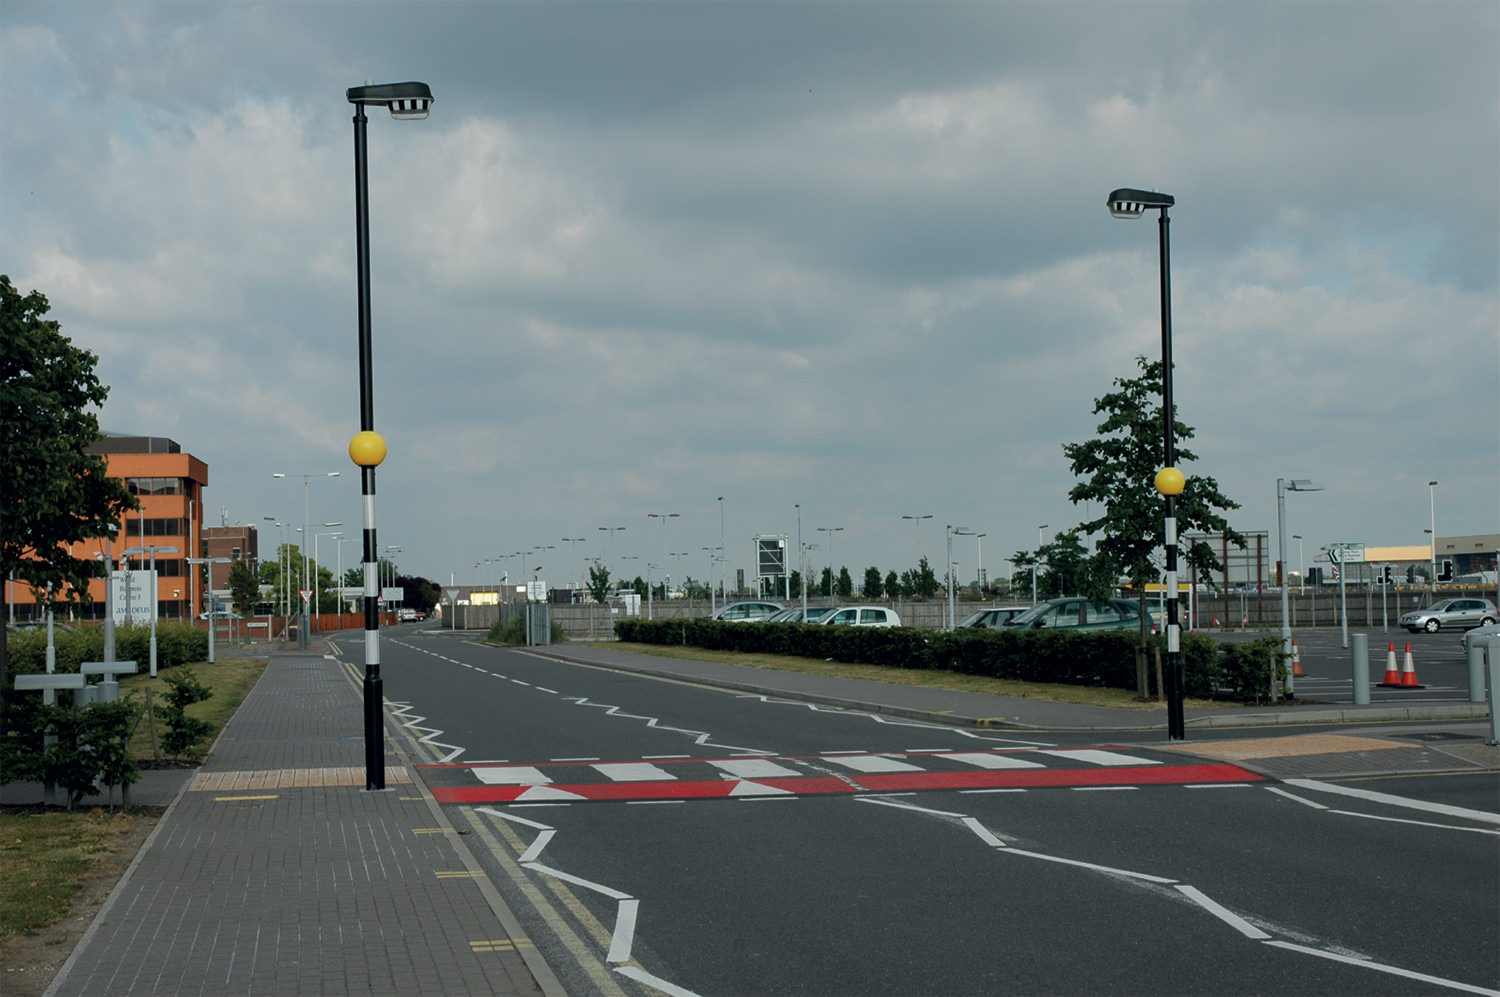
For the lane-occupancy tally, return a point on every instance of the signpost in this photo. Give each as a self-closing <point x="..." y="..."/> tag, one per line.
<point x="1341" y="554"/>
<point x="212" y="601"/>
<point x="452" y="595"/>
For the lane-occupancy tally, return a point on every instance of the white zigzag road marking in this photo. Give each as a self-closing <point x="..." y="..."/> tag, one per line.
<point x="699" y="737"/>
<point x="403" y="710"/>
<point x="892" y="721"/>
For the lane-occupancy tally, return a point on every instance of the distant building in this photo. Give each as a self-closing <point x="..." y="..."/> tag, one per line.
<point x="169" y="485"/>
<point x="238" y="543"/>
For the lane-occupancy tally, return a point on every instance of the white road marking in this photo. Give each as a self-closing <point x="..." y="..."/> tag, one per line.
<point x="534" y="852"/>
<point x="513" y="775"/>
<point x="633" y="772"/>
<point x="1090" y="865"/>
<point x="1383" y="968"/>
<point x="512" y="817"/>
<point x="753" y="768"/>
<point x="568" y="877"/>
<point x="1003" y="790"/>
<point x="641" y="976"/>
<point x="624" y="934"/>
<point x="872" y="763"/>
<point x="886" y="802"/>
<point x="759" y="790"/>
<point x="1395" y="801"/>
<point x="1103" y="789"/>
<point x="1418" y="823"/>
<point x="991" y="760"/>
<point x="983" y="832"/>
<point x="1096" y="756"/>
<point x="1230" y="918"/>
<point x="590" y="758"/>
<point x="1217" y="785"/>
<point x="1294" y="797"/>
<point x="665" y="756"/>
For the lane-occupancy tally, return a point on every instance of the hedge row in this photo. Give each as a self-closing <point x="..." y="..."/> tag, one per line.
<point x="1093" y="658"/>
<point x="176" y="644"/>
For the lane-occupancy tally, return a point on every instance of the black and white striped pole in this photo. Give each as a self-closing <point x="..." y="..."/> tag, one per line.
<point x="367" y="449"/>
<point x="1131" y="203"/>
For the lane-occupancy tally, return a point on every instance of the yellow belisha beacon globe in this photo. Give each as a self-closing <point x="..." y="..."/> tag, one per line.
<point x="367" y="449"/>
<point x="1169" y="481"/>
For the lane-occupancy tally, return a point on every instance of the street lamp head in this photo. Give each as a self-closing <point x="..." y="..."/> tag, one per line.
<point x="1127" y="202"/>
<point x="1304" y="485"/>
<point x="407" y="101"/>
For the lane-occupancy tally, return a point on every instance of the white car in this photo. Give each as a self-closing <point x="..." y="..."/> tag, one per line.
<point x="862" y="616"/>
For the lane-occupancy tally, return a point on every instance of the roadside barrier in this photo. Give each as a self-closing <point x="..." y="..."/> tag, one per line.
<point x="1296" y="659"/>
<point x="1392" y="675"/>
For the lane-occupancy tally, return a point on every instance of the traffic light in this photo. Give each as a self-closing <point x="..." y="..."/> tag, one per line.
<point x="1386" y="575"/>
<point x="1315" y="575"/>
<point x="1445" y="571"/>
<point x="1411" y="575"/>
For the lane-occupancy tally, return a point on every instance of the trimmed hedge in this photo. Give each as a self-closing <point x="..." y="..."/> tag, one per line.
<point x="176" y="644"/>
<point x="1092" y="658"/>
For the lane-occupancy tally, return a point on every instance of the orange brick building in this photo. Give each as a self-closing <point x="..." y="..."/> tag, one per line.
<point x="169" y="485"/>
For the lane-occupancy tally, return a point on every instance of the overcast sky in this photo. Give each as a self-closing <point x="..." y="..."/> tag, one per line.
<point x="852" y="256"/>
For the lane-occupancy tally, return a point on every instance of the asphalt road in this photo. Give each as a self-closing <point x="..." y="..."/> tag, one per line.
<point x="662" y="837"/>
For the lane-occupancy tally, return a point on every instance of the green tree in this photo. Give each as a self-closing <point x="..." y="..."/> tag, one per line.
<point x="873" y="583"/>
<point x="795" y="584"/>
<point x="1117" y="472"/>
<point x="892" y="585"/>
<point x="56" y="494"/>
<point x="845" y="583"/>
<point x="924" y="581"/>
<point x="244" y="588"/>
<point x="825" y="587"/>
<point x="598" y="582"/>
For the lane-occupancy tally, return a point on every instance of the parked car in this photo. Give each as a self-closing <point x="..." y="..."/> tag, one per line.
<point x="1479" y="633"/>
<point x="747" y="612"/>
<point x="1079" y="613"/>
<point x="994" y="618"/>
<point x="794" y="615"/>
<point x="861" y="616"/>
<point x="1462" y="612"/>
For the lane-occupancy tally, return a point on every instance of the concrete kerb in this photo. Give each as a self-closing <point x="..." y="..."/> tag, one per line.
<point x="1273" y="718"/>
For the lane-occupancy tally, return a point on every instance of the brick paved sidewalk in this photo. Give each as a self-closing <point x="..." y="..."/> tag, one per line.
<point x="275" y="872"/>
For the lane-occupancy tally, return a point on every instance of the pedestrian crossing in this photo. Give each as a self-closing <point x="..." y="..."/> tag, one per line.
<point x="821" y="774"/>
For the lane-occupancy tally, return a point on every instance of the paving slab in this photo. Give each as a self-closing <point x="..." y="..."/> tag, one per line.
<point x="275" y="872"/>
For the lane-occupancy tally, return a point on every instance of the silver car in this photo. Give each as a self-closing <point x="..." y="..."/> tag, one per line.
<point x="1460" y="612"/>
<point x="994" y="618"/>
<point x="747" y="612"/>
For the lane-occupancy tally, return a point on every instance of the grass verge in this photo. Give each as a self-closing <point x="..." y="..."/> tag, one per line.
<point x="45" y="856"/>
<point x="925" y="678"/>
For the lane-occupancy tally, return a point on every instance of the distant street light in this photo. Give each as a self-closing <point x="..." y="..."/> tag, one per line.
<point x="611" y="530"/>
<point x="1128" y="202"/>
<point x="1432" y="511"/>
<point x="405" y="101"/>
<point x="1036" y="562"/>
<point x="953" y="531"/>
<point x="830" y="530"/>
<point x="306" y="528"/>
<point x="1282" y="487"/>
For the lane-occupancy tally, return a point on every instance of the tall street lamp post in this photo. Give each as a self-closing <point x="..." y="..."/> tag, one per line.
<point x="367" y="449"/>
<point x="317" y="608"/>
<point x="611" y="530"/>
<point x="830" y="530"/>
<point x="1128" y="202"/>
<point x="917" y="523"/>
<point x="1282" y="487"/>
<point x="1036" y="562"/>
<point x="302" y="618"/>
<point x="1432" y="512"/>
<point x="953" y="531"/>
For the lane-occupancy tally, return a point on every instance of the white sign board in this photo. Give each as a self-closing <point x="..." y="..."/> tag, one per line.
<point x="536" y="591"/>
<point x="392" y="593"/>
<point x="134" y="595"/>
<point x="1346" y="553"/>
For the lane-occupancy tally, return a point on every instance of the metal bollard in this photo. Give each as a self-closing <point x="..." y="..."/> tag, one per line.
<point x="1476" y="671"/>
<point x="1492" y="651"/>
<point x="1360" y="662"/>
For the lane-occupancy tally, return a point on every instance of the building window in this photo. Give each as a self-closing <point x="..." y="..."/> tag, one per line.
<point x="156" y="486"/>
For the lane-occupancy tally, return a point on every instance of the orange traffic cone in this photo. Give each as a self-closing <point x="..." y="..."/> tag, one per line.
<point x="1409" y="671"/>
<point x="1296" y="659"/>
<point x="1392" y="676"/>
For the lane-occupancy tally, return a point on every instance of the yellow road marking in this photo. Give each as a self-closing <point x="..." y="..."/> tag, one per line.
<point x="500" y="945"/>
<point x="231" y="799"/>
<point x="457" y="874"/>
